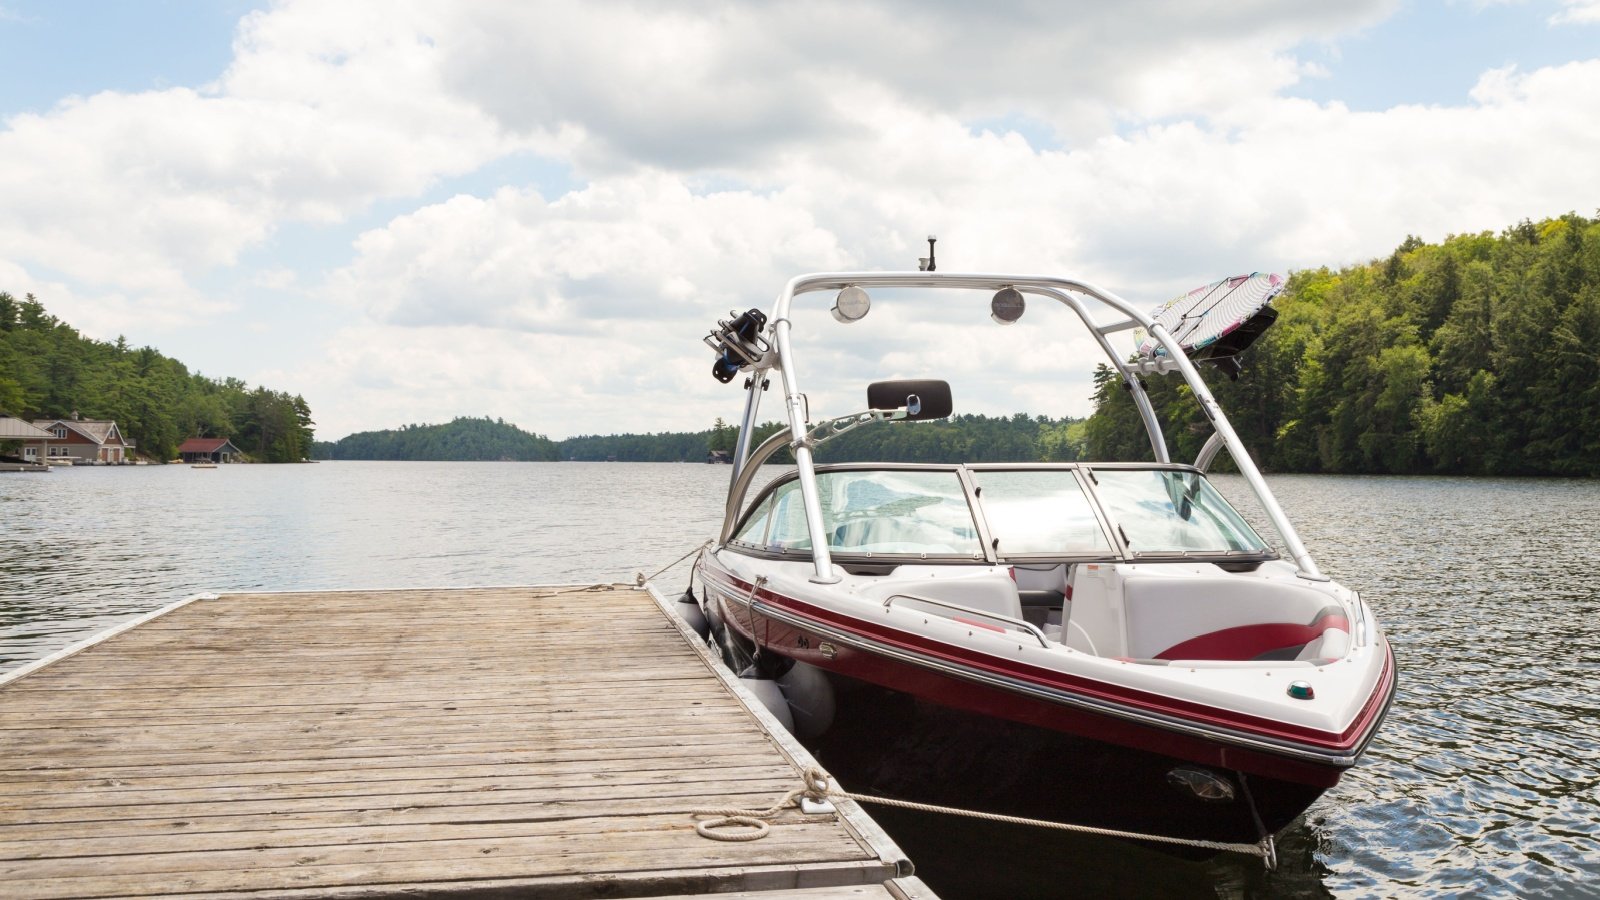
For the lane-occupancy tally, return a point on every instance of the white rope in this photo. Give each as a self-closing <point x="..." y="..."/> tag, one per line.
<point x="1257" y="849"/>
<point x="585" y="589"/>
<point x="640" y="579"/>
<point x="751" y="818"/>
<point x="818" y="787"/>
<point x="704" y="828"/>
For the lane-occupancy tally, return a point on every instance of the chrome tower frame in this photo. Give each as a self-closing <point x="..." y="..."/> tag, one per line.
<point x="1068" y="291"/>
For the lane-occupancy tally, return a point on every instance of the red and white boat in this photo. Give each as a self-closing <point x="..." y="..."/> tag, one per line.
<point x="1124" y="603"/>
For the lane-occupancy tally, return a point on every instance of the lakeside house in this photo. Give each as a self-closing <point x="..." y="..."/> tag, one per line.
<point x="33" y="438"/>
<point x="78" y="440"/>
<point x="217" y="450"/>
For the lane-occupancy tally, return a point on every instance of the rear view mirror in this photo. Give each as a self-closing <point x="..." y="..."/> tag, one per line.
<point x="932" y="398"/>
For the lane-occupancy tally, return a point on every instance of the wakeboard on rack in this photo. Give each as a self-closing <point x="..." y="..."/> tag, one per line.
<point x="1216" y="322"/>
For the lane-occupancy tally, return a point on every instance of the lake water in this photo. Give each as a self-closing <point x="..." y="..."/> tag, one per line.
<point x="1484" y="782"/>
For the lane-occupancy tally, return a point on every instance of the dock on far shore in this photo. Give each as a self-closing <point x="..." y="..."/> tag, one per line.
<point x="6" y="466"/>
<point x="527" y="742"/>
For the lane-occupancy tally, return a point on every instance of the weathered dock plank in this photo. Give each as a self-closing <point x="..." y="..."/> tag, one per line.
<point x="535" y="742"/>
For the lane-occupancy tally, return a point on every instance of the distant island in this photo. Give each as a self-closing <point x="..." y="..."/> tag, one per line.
<point x="464" y="439"/>
<point x="963" y="437"/>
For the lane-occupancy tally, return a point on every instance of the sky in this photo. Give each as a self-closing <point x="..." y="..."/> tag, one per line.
<point x="412" y="211"/>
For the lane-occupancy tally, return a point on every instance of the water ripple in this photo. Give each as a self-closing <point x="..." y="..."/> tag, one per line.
<point x="1485" y="781"/>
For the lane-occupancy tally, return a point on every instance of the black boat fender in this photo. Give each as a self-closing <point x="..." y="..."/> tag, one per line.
<point x="688" y="609"/>
<point x="810" y="696"/>
<point x="771" y="696"/>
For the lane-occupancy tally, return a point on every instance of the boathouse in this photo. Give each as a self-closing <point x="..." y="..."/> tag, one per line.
<point x="33" y="439"/>
<point x="217" y="450"/>
<point x="81" y="441"/>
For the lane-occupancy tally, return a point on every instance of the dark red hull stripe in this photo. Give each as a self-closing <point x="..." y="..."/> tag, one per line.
<point x="1346" y="744"/>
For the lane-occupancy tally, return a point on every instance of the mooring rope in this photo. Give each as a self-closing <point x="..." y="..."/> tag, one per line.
<point x="584" y="589"/>
<point x="819" y="788"/>
<point x="640" y="578"/>
<point x="749" y="818"/>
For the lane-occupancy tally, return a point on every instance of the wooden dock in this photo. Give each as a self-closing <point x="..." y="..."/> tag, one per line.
<point x="527" y="742"/>
<point x="22" y="467"/>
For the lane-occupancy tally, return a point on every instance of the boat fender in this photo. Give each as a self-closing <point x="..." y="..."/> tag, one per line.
<point x="688" y="609"/>
<point x="719" y="642"/>
<point x="771" y="696"/>
<point x="810" y="696"/>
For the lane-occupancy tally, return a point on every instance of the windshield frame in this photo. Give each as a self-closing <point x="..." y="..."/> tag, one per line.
<point x="985" y="541"/>
<point x="968" y="474"/>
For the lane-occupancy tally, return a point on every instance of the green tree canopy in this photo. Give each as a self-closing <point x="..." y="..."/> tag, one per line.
<point x="49" y="370"/>
<point x="1478" y="355"/>
<point x="460" y="439"/>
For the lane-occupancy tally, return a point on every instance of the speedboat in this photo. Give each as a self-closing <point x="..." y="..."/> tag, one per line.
<point x="1126" y="604"/>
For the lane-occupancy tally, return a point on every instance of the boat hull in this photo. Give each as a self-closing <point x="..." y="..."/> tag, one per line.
<point x="889" y="743"/>
<point x="1282" y="783"/>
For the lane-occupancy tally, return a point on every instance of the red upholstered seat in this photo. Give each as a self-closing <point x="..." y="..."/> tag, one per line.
<point x="1271" y="640"/>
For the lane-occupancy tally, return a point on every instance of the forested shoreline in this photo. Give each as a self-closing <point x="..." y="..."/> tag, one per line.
<point x="1476" y="356"/>
<point x="49" y="370"/>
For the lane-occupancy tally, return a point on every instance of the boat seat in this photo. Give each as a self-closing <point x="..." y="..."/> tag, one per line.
<point x="1326" y="637"/>
<point x="1178" y="615"/>
<point x="990" y="593"/>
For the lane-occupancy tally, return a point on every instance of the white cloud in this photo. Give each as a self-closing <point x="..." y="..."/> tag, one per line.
<point x="653" y="377"/>
<point x="637" y="248"/>
<point x="327" y="108"/>
<point x="1577" y="12"/>
<point x="1571" y="12"/>
<point x="375" y="376"/>
<point x="101" y="315"/>
<point x="730" y="83"/>
<point x="145" y="192"/>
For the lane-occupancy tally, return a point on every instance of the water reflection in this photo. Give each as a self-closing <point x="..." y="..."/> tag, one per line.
<point x="1484" y="781"/>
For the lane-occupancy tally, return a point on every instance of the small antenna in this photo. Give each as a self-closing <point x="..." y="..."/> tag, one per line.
<point x="928" y="263"/>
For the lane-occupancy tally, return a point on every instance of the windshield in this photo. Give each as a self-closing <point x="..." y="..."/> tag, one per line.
<point x="1165" y="511"/>
<point x="871" y="511"/>
<point x="1029" y="512"/>
<point x="1039" y="511"/>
